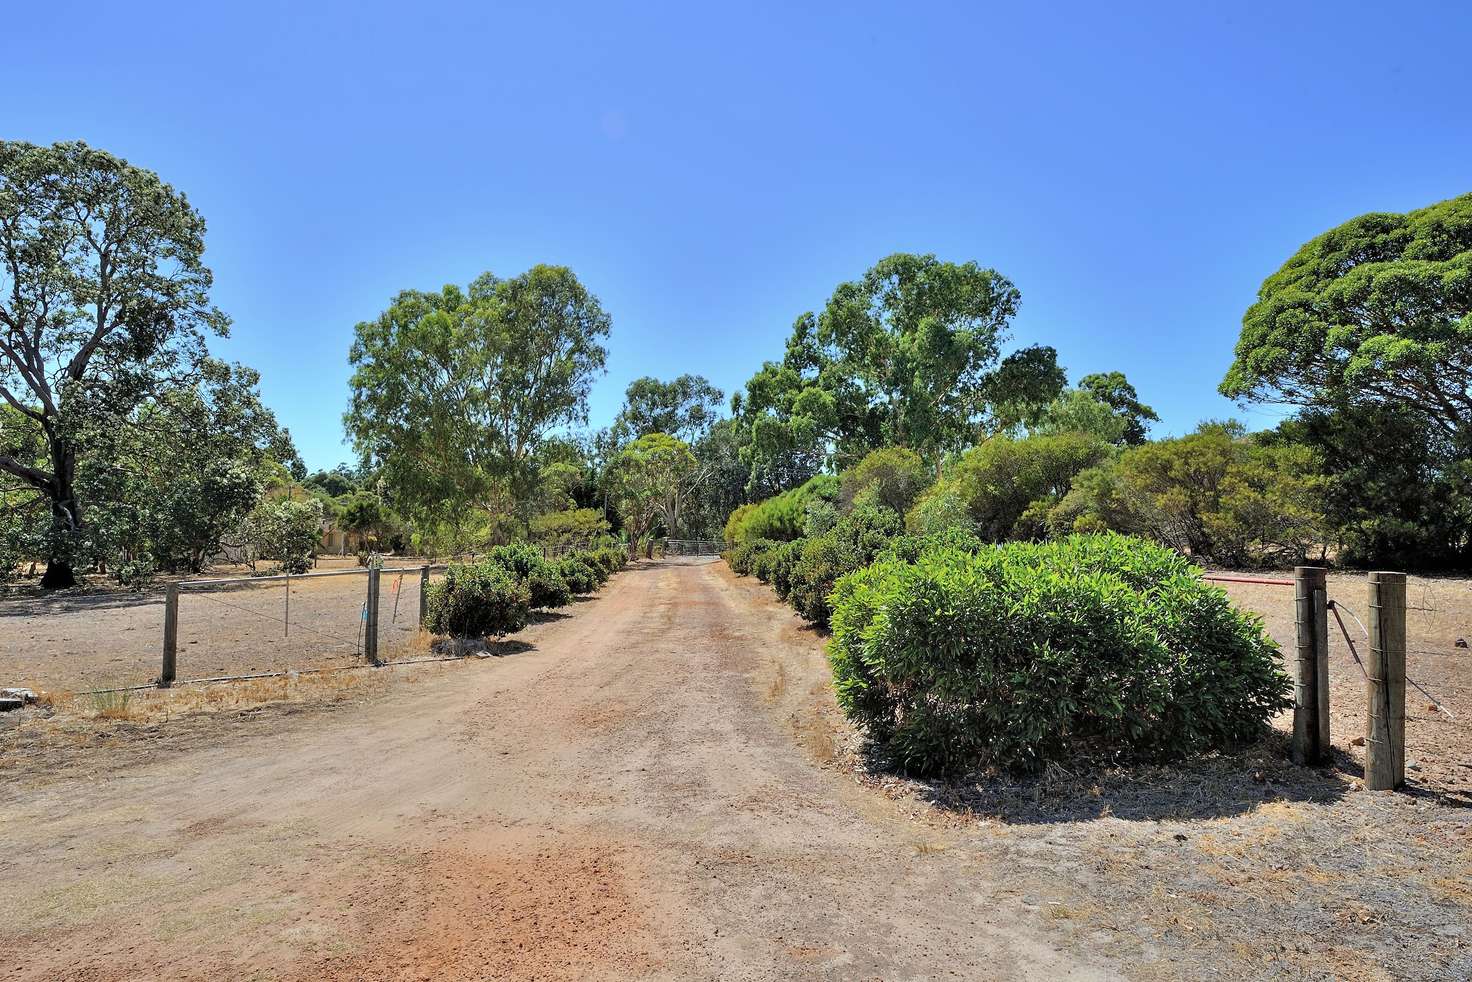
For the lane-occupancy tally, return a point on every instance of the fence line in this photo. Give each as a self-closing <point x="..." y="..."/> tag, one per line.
<point x="326" y="609"/>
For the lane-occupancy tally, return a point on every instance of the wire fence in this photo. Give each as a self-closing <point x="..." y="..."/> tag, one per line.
<point x="223" y="627"/>
<point x="1437" y="727"/>
<point x="264" y="625"/>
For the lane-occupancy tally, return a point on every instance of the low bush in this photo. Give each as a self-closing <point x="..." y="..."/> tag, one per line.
<point x="892" y="477"/>
<point x="525" y="561"/>
<point x="784" y="563"/>
<point x="609" y="558"/>
<point x="136" y="573"/>
<point x="741" y="557"/>
<point x="781" y="517"/>
<point x="477" y="601"/>
<point x="578" y="574"/>
<point x="1102" y="647"/>
<point x="763" y="561"/>
<point x="851" y="544"/>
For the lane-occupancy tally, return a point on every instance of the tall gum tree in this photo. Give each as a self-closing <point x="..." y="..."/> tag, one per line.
<point x="103" y="297"/>
<point x="909" y="355"/>
<point x="454" y="392"/>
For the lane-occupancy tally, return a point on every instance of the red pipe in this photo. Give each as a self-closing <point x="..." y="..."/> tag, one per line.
<point x="1245" y="579"/>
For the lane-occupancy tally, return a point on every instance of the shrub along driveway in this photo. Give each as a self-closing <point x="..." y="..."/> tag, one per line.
<point x="654" y="786"/>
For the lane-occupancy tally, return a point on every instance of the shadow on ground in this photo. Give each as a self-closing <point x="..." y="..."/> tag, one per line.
<point x="479" y="647"/>
<point x="1214" y="786"/>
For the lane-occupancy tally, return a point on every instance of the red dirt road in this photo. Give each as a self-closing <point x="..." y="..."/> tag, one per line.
<point x="645" y="793"/>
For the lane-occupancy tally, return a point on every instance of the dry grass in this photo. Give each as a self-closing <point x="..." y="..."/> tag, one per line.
<point x="89" y="729"/>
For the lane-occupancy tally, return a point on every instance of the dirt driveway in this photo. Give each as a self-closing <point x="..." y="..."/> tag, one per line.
<point x="624" y="800"/>
<point x="657" y="786"/>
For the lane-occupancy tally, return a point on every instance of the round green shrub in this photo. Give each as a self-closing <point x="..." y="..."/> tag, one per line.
<point x="1101" y="647"/>
<point x="784" y="564"/>
<point x="548" y="588"/>
<point x="526" y="562"/>
<point x="579" y="576"/>
<point x="741" y="557"/>
<point x="477" y="601"/>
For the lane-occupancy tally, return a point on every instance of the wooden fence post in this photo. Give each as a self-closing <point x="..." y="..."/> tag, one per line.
<point x="171" y="636"/>
<point x="423" y="591"/>
<point x="370" y="616"/>
<point x="1385" y="687"/>
<point x="1311" y="666"/>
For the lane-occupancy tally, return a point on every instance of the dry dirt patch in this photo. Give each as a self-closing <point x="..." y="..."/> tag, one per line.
<point x="556" y="909"/>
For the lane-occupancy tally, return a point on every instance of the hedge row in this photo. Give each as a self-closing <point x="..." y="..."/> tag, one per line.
<point x="495" y="595"/>
<point x="804" y="570"/>
<point x="780" y="518"/>
<point x="953" y="653"/>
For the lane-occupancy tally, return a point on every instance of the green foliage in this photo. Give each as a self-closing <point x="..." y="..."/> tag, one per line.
<point x="569" y="526"/>
<point x="851" y="544"/>
<point x="743" y="556"/>
<point x="106" y="298"/>
<point x="1004" y="488"/>
<point x="579" y="574"/>
<point x="736" y="523"/>
<point x="453" y="392"/>
<point x="477" y="601"/>
<point x="1216" y="494"/>
<point x="907" y="356"/>
<point x="1100" y="647"/>
<point x="342" y="479"/>
<point x="608" y="558"/>
<point x="1116" y="392"/>
<point x="137" y="573"/>
<point x="891" y="477"/>
<point x="952" y="538"/>
<point x="1394" y="490"/>
<point x="783" y="566"/>
<point x="649" y="481"/>
<point x="286" y="531"/>
<point x="684" y="408"/>
<point x="1080" y="411"/>
<point x="182" y="471"/>
<point x="1377" y="310"/>
<point x="782" y="517"/>
<point x="546" y="586"/>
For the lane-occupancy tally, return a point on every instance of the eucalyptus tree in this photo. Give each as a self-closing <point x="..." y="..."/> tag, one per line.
<point x="652" y="479"/>
<point x="104" y="298"/>
<point x="909" y="355"/>
<point x="454" y="392"/>
<point x="685" y="407"/>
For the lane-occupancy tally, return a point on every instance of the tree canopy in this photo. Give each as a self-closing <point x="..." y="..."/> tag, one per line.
<point x="1378" y="310"/>
<point x="453" y="392"/>
<point x="684" y="407"/>
<point x="104" y="299"/>
<point x="909" y="355"/>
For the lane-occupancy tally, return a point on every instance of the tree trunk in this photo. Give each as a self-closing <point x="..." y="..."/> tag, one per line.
<point x="58" y="576"/>
<point x="66" y="515"/>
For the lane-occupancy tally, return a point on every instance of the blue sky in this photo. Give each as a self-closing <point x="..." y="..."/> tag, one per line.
<point x="1136" y="169"/>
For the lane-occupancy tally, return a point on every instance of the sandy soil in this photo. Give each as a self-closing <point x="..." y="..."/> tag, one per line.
<point x="658" y="786"/>
<point x="624" y="799"/>
<point x="92" y="639"/>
